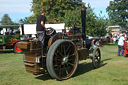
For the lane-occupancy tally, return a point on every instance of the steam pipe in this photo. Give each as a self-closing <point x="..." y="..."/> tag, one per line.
<point x="83" y="21"/>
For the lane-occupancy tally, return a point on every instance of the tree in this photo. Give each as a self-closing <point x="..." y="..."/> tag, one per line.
<point x="6" y="20"/>
<point x="55" y="9"/>
<point x="72" y="17"/>
<point x="96" y="25"/>
<point x="25" y="20"/>
<point x="68" y="12"/>
<point x="118" y="12"/>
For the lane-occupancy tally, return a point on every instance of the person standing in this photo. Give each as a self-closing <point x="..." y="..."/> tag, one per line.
<point x="120" y="45"/>
<point x="40" y="27"/>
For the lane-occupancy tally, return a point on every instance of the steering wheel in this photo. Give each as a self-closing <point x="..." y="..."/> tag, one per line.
<point x="50" y="31"/>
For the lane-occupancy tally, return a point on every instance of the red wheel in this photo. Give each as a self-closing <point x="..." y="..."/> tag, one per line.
<point x="16" y="48"/>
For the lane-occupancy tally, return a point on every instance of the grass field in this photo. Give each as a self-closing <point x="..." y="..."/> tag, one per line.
<point x="113" y="71"/>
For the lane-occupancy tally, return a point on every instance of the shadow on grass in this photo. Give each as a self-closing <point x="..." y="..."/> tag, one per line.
<point x="110" y="44"/>
<point x="126" y="57"/>
<point x="86" y="67"/>
<point x="44" y="77"/>
<point x="81" y="69"/>
<point x="6" y="51"/>
<point x="106" y="59"/>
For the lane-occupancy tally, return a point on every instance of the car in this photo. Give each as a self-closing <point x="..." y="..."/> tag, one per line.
<point x="9" y="37"/>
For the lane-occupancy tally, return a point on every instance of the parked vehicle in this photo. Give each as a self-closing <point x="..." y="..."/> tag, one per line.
<point x="125" y="54"/>
<point x="61" y="54"/>
<point x="9" y="37"/>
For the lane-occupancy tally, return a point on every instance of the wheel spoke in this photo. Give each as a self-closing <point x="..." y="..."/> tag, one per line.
<point x="69" y="52"/>
<point x="63" y="71"/>
<point x="97" y="53"/>
<point x="61" y="48"/>
<point x="72" y="54"/>
<point x="97" y="61"/>
<point x="60" y="71"/>
<point x="58" y="66"/>
<point x="66" y="70"/>
<point x="67" y="64"/>
<point x="57" y="59"/>
<point x="64" y="51"/>
<point x="68" y="48"/>
<point x="70" y="59"/>
<point x="71" y="64"/>
<point x="96" y="58"/>
<point x="56" y="55"/>
<point x="60" y="54"/>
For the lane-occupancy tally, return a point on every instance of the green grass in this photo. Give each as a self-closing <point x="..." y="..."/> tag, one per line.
<point x="114" y="71"/>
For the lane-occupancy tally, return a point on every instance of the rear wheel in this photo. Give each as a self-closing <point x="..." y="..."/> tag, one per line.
<point x="62" y="59"/>
<point x="16" y="48"/>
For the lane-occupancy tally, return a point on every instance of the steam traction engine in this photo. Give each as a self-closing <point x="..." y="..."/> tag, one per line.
<point x="61" y="53"/>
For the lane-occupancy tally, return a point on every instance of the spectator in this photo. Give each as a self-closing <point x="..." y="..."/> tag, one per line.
<point x="120" y="45"/>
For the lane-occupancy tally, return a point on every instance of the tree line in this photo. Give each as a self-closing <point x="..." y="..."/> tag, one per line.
<point x="69" y="11"/>
<point x="118" y="13"/>
<point x="6" y="20"/>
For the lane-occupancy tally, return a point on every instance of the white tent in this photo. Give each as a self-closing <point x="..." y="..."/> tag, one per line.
<point x="31" y="28"/>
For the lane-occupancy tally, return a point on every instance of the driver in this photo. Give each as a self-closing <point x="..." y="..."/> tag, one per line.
<point x="40" y="27"/>
<point x="74" y="29"/>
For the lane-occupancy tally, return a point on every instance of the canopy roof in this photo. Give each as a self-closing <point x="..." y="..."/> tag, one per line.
<point x="8" y="26"/>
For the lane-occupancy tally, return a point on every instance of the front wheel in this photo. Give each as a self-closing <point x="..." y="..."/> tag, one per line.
<point x="16" y="48"/>
<point x="96" y="58"/>
<point x="62" y="59"/>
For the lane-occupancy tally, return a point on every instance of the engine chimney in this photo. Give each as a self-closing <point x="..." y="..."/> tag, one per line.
<point x="83" y="21"/>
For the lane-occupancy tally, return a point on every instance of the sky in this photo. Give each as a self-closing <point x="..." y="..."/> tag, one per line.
<point x="98" y="5"/>
<point x="19" y="9"/>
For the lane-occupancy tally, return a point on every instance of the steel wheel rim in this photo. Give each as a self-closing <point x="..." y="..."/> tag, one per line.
<point x="64" y="60"/>
<point x="97" y="58"/>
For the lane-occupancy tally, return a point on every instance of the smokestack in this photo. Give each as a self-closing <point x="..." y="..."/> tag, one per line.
<point x="83" y="21"/>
